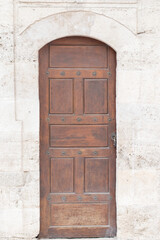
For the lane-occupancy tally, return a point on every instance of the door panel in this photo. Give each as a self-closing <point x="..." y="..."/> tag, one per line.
<point x="77" y="155"/>
<point x="78" y="56"/>
<point x="95" y="96"/>
<point x="62" y="175"/>
<point x="75" y="136"/>
<point x="79" y="214"/>
<point x="96" y="175"/>
<point x="61" y="96"/>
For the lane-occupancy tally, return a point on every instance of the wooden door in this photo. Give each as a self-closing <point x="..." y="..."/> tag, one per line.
<point x="77" y="125"/>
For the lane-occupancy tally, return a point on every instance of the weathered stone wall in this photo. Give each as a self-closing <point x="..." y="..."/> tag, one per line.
<point x="132" y="28"/>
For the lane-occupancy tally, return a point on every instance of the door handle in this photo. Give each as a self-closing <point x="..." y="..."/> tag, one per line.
<point x="114" y="139"/>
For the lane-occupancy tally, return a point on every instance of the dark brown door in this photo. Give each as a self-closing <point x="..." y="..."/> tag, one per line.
<point x="77" y="153"/>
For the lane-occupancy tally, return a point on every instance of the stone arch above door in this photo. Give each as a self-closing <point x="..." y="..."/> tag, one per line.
<point x="79" y="23"/>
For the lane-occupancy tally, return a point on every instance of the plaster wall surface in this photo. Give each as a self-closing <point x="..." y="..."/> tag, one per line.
<point x="132" y="28"/>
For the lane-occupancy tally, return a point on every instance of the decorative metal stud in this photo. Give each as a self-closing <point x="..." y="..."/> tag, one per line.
<point x="109" y="73"/>
<point x="49" y="198"/>
<point x="95" y="197"/>
<point x="48" y="119"/>
<point x="79" y="198"/>
<point x="94" y="73"/>
<point x="95" y="119"/>
<point x="79" y="152"/>
<point x="78" y="73"/>
<point x="110" y="198"/>
<point x="109" y="119"/>
<point x="62" y="119"/>
<point x="95" y="153"/>
<point x="47" y="72"/>
<point x="62" y="73"/>
<point x="64" y="199"/>
<point x="47" y="152"/>
<point x="63" y="153"/>
<point x="79" y="119"/>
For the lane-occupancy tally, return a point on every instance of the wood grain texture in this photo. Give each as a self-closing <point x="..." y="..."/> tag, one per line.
<point x="78" y="56"/>
<point x="78" y="232"/>
<point x="62" y="175"/>
<point x="61" y="96"/>
<point x="79" y="214"/>
<point x="96" y="175"/>
<point x="96" y="96"/>
<point x="75" y="136"/>
<point x="77" y="155"/>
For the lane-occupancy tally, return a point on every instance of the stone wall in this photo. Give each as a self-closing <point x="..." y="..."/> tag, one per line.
<point x="132" y="28"/>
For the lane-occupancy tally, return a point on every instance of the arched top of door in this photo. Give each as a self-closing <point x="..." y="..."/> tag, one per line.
<point x="77" y="40"/>
<point x="76" y="51"/>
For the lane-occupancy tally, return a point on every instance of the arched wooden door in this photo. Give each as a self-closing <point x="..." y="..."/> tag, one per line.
<point x="77" y="127"/>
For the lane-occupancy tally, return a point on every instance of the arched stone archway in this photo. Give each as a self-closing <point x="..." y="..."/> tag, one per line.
<point x="79" y="23"/>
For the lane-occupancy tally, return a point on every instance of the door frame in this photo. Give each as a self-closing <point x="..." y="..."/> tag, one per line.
<point x="28" y="43"/>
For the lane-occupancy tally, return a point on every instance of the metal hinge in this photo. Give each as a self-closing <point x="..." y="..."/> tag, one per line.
<point x="114" y="139"/>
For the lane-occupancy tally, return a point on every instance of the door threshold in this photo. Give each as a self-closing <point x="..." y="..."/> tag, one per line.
<point x="114" y="238"/>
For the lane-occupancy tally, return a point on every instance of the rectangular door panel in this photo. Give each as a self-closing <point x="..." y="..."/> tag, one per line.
<point x="61" y="96"/>
<point x="79" y="214"/>
<point x="96" y="175"/>
<point x="96" y="96"/>
<point x="75" y="135"/>
<point x="62" y="175"/>
<point x="78" y="56"/>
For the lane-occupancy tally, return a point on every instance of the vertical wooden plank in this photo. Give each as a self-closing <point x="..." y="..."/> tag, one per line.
<point x="79" y="175"/>
<point x="44" y="143"/>
<point x="112" y="83"/>
<point x="112" y="161"/>
<point x="78" y="95"/>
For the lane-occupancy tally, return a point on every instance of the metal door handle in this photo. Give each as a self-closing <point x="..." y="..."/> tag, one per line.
<point x="114" y="139"/>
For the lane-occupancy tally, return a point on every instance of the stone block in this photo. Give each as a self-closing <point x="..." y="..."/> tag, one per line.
<point x="11" y="179"/>
<point x="146" y="157"/>
<point x="10" y="157"/>
<point x="128" y="86"/>
<point x="125" y="220"/>
<point x="31" y="154"/>
<point x="146" y="221"/>
<point x="125" y="187"/>
<point x="6" y="13"/>
<point x="11" y="196"/>
<point x="27" y="84"/>
<point x="30" y="223"/>
<point x="125" y="16"/>
<point x="19" y="223"/>
<point x="7" y="84"/>
<point x="150" y="24"/>
<point x="29" y="115"/>
<point x="30" y="191"/>
<point x="139" y="222"/>
<point x="146" y="185"/>
<point x="12" y="219"/>
<point x="6" y="44"/>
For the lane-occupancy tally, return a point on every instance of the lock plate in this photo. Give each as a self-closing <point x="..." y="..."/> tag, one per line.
<point x="114" y="139"/>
